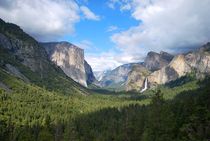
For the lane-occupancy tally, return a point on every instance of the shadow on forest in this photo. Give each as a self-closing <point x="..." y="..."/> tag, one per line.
<point x="186" y="117"/>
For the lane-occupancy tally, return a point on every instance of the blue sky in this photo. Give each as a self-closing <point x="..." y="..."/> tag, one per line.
<point x="97" y="32"/>
<point x="114" y="32"/>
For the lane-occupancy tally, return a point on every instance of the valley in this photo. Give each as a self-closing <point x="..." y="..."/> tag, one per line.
<point x="50" y="92"/>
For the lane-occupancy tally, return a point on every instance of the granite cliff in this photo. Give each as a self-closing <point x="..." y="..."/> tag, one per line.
<point x="70" y="59"/>
<point x="155" y="61"/>
<point x="197" y="61"/>
<point x="138" y="74"/>
<point x="162" y="71"/>
<point x="136" y="77"/>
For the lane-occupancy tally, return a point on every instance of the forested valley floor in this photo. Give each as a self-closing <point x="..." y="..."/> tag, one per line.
<point x="168" y="113"/>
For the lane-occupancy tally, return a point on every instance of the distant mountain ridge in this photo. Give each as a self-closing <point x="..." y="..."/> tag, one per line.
<point x="159" y="68"/>
<point x="100" y="74"/>
<point x="117" y="77"/>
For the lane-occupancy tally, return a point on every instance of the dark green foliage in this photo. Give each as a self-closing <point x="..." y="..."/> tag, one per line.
<point x="181" y="81"/>
<point x="31" y="112"/>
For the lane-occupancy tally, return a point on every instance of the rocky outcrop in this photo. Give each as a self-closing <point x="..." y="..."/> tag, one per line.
<point x="155" y="61"/>
<point x="69" y="58"/>
<point x="136" y="78"/>
<point x="177" y="68"/>
<point x="163" y="69"/>
<point x="23" y="47"/>
<point x="197" y="61"/>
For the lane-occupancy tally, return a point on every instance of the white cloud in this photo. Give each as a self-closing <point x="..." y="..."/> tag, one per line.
<point x="109" y="60"/>
<point x="112" y="28"/>
<point x="89" y="14"/>
<point x="43" y="19"/>
<point x="169" y="25"/>
<point x="102" y="61"/>
<point x="46" y="20"/>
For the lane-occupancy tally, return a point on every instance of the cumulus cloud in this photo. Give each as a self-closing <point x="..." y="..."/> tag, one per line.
<point x="109" y="60"/>
<point x="102" y="61"/>
<point x="89" y="14"/>
<point x="43" y="19"/>
<point x="170" y="25"/>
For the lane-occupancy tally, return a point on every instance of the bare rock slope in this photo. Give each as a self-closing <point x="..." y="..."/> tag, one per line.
<point x="70" y="59"/>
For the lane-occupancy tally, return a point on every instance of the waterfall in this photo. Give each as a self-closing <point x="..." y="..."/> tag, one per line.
<point x="145" y="85"/>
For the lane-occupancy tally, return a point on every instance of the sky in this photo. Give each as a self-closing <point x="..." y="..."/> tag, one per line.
<point x="114" y="32"/>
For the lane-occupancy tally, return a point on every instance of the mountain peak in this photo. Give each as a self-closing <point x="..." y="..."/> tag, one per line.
<point x="155" y="61"/>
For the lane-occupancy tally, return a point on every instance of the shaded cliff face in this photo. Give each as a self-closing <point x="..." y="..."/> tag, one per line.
<point x="90" y="78"/>
<point x="155" y="61"/>
<point x="28" y="52"/>
<point x="69" y="58"/>
<point x="136" y="78"/>
<point x="25" y="49"/>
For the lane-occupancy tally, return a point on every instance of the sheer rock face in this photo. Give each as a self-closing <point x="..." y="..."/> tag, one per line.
<point x="90" y="78"/>
<point x="177" y="68"/>
<point x="197" y="61"/>
<point x="69" y="58"/>
<point x="155" y="61"/>
<point x="136" y="78"/>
